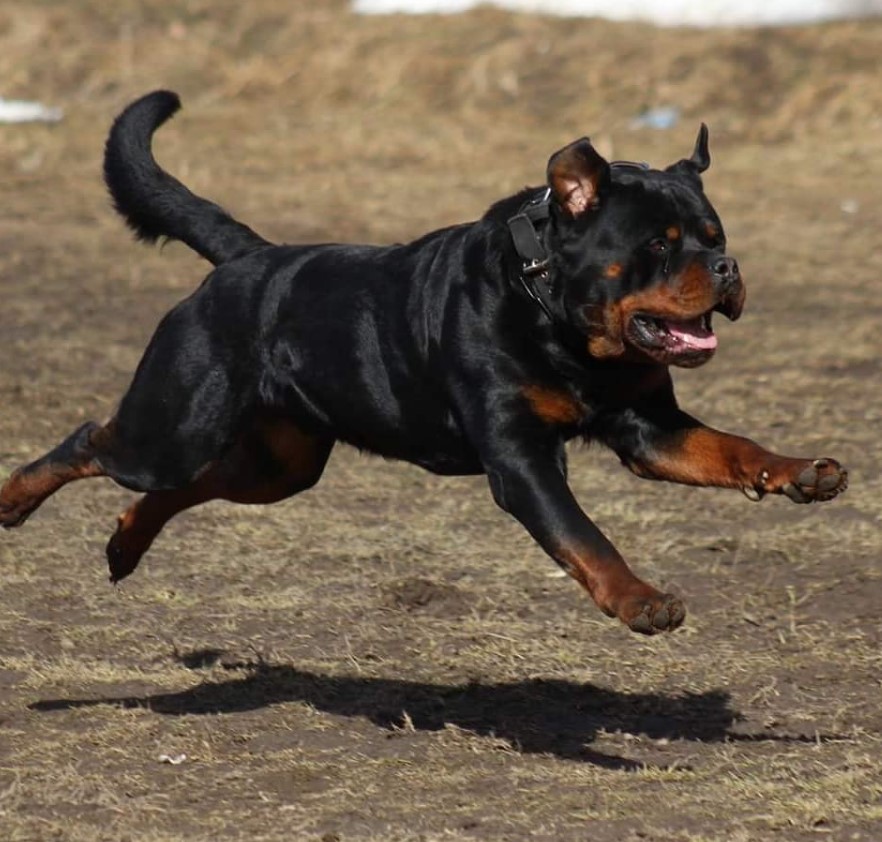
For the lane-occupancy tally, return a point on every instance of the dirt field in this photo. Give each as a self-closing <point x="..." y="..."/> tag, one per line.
<point x="389" y="657"/>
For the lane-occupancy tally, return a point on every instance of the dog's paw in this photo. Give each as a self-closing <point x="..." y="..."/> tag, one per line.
<point x="818" y="480"/>
<point x="120" y="563"/>
<point x="124" y="550"/>
<point x="664" y="612"/>
<point x="12" y="516"/>
<point x="802" y="480"/>
<point x="15" y="508"/>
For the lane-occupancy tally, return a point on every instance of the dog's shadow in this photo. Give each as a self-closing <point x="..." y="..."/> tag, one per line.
<point x="549" y="716"/>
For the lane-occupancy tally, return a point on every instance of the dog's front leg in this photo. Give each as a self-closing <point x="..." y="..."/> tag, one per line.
<point x="674" y="446"/>
<point x="534" y="490"/>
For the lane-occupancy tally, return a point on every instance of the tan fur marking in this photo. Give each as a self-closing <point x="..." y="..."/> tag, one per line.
<point x="704" y="456"/>
<point x="614" y="270"/>
<point x="605" y="328"/>
<point x="690" y="294"/>
<point x="606" y="577"/>
<point x="553" y="406"/>
<point x="292" y="448"/>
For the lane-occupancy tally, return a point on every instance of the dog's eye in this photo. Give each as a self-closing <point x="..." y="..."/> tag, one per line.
<point x="659" y="246"/>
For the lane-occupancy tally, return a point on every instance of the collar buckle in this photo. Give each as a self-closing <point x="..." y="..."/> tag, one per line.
<point x="536" y="267"/>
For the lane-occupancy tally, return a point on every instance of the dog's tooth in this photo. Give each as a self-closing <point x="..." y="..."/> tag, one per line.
<point x="752" y="493"/>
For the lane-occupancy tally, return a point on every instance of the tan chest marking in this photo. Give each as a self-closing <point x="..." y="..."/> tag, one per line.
<point x="552" y="405"/>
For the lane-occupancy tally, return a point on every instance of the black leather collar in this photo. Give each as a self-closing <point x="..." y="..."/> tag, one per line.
<point x="534" y="273"/>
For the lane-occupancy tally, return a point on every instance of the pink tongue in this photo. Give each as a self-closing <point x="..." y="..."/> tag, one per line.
<point x="693" y="333"/>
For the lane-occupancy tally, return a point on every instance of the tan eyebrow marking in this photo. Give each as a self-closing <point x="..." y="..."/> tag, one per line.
<point x="614" y="270"/>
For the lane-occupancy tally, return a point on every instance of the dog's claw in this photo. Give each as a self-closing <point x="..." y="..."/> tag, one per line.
<point x="753" y="494"/>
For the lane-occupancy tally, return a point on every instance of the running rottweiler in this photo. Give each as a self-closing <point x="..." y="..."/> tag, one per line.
<point x="476" y="349"/>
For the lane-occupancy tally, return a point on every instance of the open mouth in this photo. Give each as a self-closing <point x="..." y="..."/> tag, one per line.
<point x="687" y="342"/>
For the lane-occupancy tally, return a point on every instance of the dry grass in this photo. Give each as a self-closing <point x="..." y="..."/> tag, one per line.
<point x="388" y="657"/>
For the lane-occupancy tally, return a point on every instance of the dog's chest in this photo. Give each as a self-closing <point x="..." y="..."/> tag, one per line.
<point x="621" y="387"/>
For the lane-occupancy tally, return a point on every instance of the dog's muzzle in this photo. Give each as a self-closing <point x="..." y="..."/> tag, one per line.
<point x="726" y="279"/>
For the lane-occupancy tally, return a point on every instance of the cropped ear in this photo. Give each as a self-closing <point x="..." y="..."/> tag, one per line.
<point x="700" y="160"/>
<point x="578" y="176"/>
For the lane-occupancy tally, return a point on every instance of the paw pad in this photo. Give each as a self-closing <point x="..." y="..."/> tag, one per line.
<point x="821" y="480"/>
<point x="663" y="614"/>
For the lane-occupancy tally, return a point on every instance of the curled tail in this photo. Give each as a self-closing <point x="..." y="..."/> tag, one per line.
<point x="154" y="203"/>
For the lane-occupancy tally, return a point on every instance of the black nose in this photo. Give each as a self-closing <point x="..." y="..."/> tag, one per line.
<point x="726" y="270"/>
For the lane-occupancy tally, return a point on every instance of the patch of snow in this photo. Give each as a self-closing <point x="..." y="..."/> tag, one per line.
<point x="25" y="111"/>
<point x="663" y="12"/>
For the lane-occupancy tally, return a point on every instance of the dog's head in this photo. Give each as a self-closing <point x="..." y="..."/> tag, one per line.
<point x="639" y="256"/>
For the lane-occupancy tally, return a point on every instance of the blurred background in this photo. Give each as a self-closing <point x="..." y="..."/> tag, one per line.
<point x="313" y="101"/>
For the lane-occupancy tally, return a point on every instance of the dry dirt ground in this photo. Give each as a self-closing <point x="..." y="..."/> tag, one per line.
<point x="389" y="657"/>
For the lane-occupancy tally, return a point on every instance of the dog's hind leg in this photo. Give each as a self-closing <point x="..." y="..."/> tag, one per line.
<point x="272" y="460"/>
<point x="79" y="456"/>
<point x="182" y="412"/>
